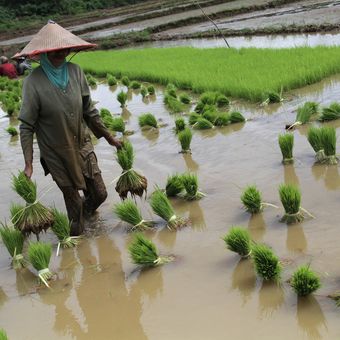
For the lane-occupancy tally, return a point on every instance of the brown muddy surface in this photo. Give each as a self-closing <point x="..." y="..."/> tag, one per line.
<point x="208" y="292"/>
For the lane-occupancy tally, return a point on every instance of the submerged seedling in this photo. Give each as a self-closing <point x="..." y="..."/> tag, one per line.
<point x="286" y="142"/>
<point x="305" y="281"/>
<point x="238" y="240"/>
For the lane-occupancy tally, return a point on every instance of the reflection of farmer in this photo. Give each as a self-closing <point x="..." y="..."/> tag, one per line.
<point x="7" y="69"/>
<point x="57" y="106"/>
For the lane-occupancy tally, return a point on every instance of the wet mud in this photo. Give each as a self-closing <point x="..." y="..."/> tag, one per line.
<point x="207" y="292"/>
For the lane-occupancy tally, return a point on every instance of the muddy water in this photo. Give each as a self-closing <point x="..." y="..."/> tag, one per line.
<point x="208" y="292"/>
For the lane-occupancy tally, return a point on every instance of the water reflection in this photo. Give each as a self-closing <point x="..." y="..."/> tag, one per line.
<point x="310" y="317"/>
<point x="195" y="213"/>
<point x="271" y="297"/>
<point x="190" y="163"/>
<point x="289" y="174"/>
<point x="296" y="239"/>
<point x="329" y="173"/>
<point x="126" y="114"/>
<point x="244" y="279"/>
<point x="151" y="135"/>
<point x="3" y="297"/>
<point x="167" y="237"/>
<point x="257" y="227"/>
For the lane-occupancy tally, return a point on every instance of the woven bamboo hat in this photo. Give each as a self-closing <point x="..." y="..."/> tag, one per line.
<point x="50" y="38"/>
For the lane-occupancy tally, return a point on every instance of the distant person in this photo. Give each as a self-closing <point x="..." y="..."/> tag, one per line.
<point x="7" y="69"/>
<point x="22" y="65"/>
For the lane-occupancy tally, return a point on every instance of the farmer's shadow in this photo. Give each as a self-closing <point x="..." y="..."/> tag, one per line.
<point x="271" y="297"/>
<point x="257" y="227"/>
<point x="310" y="317"/>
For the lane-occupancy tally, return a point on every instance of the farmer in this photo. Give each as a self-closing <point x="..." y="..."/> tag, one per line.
<point x="57" y="107"/>
<point x="7" y="69"/>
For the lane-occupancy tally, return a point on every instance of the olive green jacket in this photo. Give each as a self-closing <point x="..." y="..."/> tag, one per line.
<point x="60" y="119"/>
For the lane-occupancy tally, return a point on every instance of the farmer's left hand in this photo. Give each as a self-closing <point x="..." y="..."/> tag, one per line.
<point x="114" y="142"/>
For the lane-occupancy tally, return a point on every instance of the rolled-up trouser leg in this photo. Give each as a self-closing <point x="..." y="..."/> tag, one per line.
<point x="74" y="207"/>
<point x="95" y="193"/>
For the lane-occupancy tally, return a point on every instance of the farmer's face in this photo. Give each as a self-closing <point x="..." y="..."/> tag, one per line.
<point x="58" y="57"/>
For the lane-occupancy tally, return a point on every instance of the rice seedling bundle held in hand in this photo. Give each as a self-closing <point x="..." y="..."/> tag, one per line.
<point x="39" y="255"/>
<point x="34" y="217"/>
<point x="190" y="183"/>
<point x="286" y="142"/>
<point x="238" y="240"/>
<point x="174" y="185"/>
<point x="328" y="141"/>
<point x="147" y="120"/>
<point x="185" y="138"/>
<point x="266" y="263"/>
<point x="304" y="281"/>
<point x="130" y="181"/>
<point x="128" y="212"/>
<point x="161" y="206"/>
<point x="144" y="252"/>
<point x="13" y="240"/>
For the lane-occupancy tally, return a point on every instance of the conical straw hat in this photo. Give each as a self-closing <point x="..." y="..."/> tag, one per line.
<point x="52" y="37"/>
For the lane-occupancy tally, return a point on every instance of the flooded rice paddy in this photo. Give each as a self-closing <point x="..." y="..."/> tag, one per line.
<point x="208" y="292"/>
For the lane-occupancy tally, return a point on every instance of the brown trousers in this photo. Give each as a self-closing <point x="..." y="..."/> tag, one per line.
<point x="76" y="206"/>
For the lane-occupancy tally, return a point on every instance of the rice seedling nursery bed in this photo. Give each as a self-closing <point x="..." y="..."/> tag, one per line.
<point x="98" y="291"/>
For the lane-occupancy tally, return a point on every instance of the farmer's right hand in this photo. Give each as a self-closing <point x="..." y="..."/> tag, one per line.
<point x="28" y="171"/>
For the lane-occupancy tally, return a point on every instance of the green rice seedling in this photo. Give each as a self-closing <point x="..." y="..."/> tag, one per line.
<point x="91" y="80"/>
<point x="125" y="81"/>
<point x="305" y="281"/>
<point x="184" y="98"/>
<point x="34" y="217"/>
<point x="151" y="90"/>
<point x="179" y="124"/>
<point x="144" y="252"/>
<point x="286" y="142"/>
<point x="210" y="115"/>
<point x="199" y="108"/>
<point x="122" y="98"/>
<point x="190" y="183"/>
<point x="39" y="255"/>
<point x="161" y="206"/>
<point x="185" y="137"/>
<point x="193" y="117"/>
<point x="266" y="263"/>
<point x="272" y="97"/>
<point x="144" y="91"/>
<point x="3" y="334"/>
<point x="330" y="113"/>
<point x="12" y="131"/>
<point x="208" y="98"/>
<point x="236" y="117"/>
<point x="111" y="80"/>
<point x="10" y="108"/>
<point x="105" y="113"/>
<point x="173" y="104"/>
<point x="13" y="240"/>
<point x="147" y="120"/>
<point x="174" y="185"/>
<point x="130" y="181"/>
<point x="252" y="200"/>
<point x="222" y="119"/>
<point x="117" y="124"/>
<point x="171" y="90"/>
<point x="222" y="101"/>
<point x="238" y="240"/>
<point x="328" y="140"/>
<point x="203" y="124"/>
<point x="135" y="85"/>
<point x="314" y="139"/>
<point x="290" y="197"/>
<point x="62" y="229"/>
<point x="304" y="113"/>
<point x="128" y="212"/>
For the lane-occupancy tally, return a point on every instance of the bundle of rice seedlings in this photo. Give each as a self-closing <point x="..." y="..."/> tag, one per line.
<point x="236" y="117"/>
<point x="193" y="117"/>
<point x="144" y="252"/>
<point x="173" y="104"/>
<point x="13" y="240"/>
<point x="272" y="97"/>
<point x="122" y="98"/>
<point x="91" y="80"/>
<point x="267" y="264"/>
<point x="184" y="98"/>
<point x="203" y="124"/>
<point x="111" y="80"/>
<point x="304" y="113"/>
<point x="222" y="100"/>
<point x="210" y="115"/>
<point x="185" y="137"/>
<point x="117" y="124"/>
<point x="330" y="113"/>
<point x="252" y="200"/>
<point x="130" y="181"/>
<point x="286" y="142"/>
<point x="208" y="98"/>
<point x="128" y="212"/>
<point x="171" y="90"/>
<point x="12" y="131"/>
<point x="62" y="229"/>
<point x="179" y="124"/>
<point x="34" y="217"/>
<point x="3" y="334"/>
<point x="305" y="281"/>
<point x="328" y="141"/>
<point x="147" y="120"/>
<point x="135" y="85"/>
<point x="314" y="139"/>
<point x="151" y="90"/>
<point x="174" y="185"/>
<point x="144" y="91"/>
<point x="222" y="119"/>
<point x="161" y="206"/>
<point x="238" y="240"/>
<point x="39" y="255"/>
<point x="105" y="113"/>
<point x="290" y="197"/>
<point x="190" y="183"/>
<point x="125" y="81"/>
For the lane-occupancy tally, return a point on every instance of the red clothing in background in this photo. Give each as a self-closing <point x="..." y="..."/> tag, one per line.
<point x="8" y="70"/>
